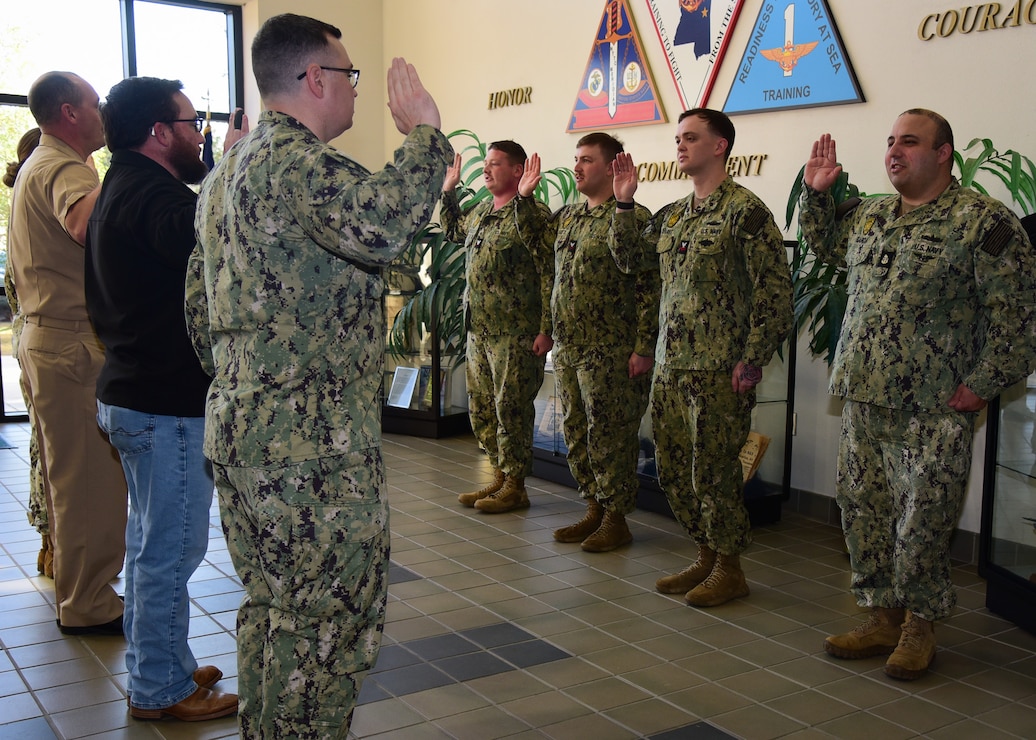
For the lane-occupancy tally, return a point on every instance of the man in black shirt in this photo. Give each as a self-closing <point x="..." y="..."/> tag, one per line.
<point x="151" y="391"/>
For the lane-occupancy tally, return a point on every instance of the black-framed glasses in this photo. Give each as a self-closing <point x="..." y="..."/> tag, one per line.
<point x="354" y="74"/>
<point x="199" y="123"/>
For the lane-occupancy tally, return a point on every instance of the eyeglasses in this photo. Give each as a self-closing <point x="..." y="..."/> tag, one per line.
<point x="199" y="123"/>
<point x="354" y="74"/>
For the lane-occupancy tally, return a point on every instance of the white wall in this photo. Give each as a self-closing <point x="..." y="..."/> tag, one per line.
<point x="360" y="22"/>
<point x="467" y="49"/>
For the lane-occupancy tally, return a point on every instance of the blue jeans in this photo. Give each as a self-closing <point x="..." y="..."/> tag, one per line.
<point x="170" y="492"/>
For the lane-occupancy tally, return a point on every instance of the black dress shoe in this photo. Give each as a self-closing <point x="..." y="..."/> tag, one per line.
<point x="113" y="627"/>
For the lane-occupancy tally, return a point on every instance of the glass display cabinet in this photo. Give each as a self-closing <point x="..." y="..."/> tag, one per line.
<point x="1007" y="540"/>
<point x="424" y="392"/>
<point x="772" y="417"/>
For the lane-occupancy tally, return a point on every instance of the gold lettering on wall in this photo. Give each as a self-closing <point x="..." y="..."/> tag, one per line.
<point x="504" y="98"/>
<point x="744" y="166"/>
<point x="975" y="18"/>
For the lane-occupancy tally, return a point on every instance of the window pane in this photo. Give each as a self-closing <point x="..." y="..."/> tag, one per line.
<point x="81" y="36"/>
<point x="202" y="65"/>
<point x="14" y="122"/>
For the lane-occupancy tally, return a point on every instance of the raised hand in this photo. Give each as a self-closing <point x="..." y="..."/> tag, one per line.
<point x="452" y="179"/>
<point x="624" y="177"/>
<point x="822" y="168"/>
<point x="408" y="101"/>
<point x="234" y="135"/>
<point x="530" y="177"/>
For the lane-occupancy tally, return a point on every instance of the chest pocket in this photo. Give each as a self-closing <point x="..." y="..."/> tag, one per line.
<point x="927" y="280"/>
<point x="860" y="259"/>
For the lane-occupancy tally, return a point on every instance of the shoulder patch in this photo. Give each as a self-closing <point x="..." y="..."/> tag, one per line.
<point x="998" y="239"/>
<point x="755" y="220"/>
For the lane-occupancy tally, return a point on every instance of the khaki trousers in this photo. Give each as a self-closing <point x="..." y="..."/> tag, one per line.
<point x="84" y="483"/>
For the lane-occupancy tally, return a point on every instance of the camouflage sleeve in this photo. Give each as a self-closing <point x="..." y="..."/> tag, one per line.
<point x="538" y="231"/>
<point x="9" y="291"/>
<point x="454" y="223"/>
<point x="632" y="239"/>
<point x="368" y="218"/>
<point x="196" y="310"/>
<point x="818" y="228"/>
<point x="770" y="277"/>
<point x="1005" y="273"/>
<point x="648" y="291"/>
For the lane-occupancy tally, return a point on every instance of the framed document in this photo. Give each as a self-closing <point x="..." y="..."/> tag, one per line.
<point x="404" y="382"/>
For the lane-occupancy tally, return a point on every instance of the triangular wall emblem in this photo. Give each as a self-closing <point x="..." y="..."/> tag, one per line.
<point x="694" y="34"/>
<point x="617" y="88"/>
<point x="795" y="59"/>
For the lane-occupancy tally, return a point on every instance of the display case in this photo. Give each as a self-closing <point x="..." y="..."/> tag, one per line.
<point x="772" y="417"/>
<point x="424" y="392"/>
<point x="1007" y="540"/>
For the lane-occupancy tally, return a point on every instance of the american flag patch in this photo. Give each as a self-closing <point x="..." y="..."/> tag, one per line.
<point x="998" y="239"/>
<point x="755" y="220"/>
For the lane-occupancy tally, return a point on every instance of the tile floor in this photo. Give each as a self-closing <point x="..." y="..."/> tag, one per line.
<point x="494" y="630"/>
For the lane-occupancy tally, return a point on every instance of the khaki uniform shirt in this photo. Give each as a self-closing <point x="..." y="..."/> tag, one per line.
<point x="47" y="263"/>
<point x="943" y="295"/>
<point x="284" y="289"/>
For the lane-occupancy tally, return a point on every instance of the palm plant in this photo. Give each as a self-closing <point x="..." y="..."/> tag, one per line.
<point x="437" y="308"/>
<point x="820" y="287"/>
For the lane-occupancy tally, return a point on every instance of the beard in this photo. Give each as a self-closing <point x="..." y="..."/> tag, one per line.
<point x="186" y="161"/>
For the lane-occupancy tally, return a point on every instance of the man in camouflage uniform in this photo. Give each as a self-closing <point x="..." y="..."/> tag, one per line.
<point x="605" y="327"/>
<point x="283" y="301"/>
<point x="725" y="308"/>
<point x="510" y="273"/>
<point x="940" y="318"/>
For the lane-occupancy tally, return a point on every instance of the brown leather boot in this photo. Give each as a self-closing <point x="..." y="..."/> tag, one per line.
<point x="613" y="533"/>
<point x="469" y="499"/>
<point x="879" y="635"/>
<point x="48" y="557"/>
<point x="512" y="495"/>
<point x="584" y="527"/>
<point x="725" y="582"/>
<point x="916" y="649"/>
<point x="42" y="557"/>
<point x="203" y="704"/>
<point x="691" y="576"/>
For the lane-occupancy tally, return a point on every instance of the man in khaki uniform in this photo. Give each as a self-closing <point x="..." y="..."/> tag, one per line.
<point x="61" y="356"/>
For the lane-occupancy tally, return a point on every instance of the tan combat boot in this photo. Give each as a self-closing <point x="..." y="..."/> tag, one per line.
<point x="613" y="533"/>
<point x="48" y="557"/>
<point x="690" y="576"/>
<point x="469" y="499"/>
<point x="511" y="496"/>
<point x="879" y="635"/>
<point x="916" y="649"/>
<point x="42" y="557"/>
<point x="584" y="527"/>
<point x="725" y="582"/>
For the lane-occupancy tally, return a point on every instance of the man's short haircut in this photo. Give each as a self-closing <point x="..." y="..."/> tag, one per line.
<point x="284" y="46"/>
<point x="608" y="144"/>
<point x="133" y="106"/>
<point x="514" y="151"/>
<point x="943" y="132"/>
<point x="51" y="91"/>
<point x="718" y="124"/>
